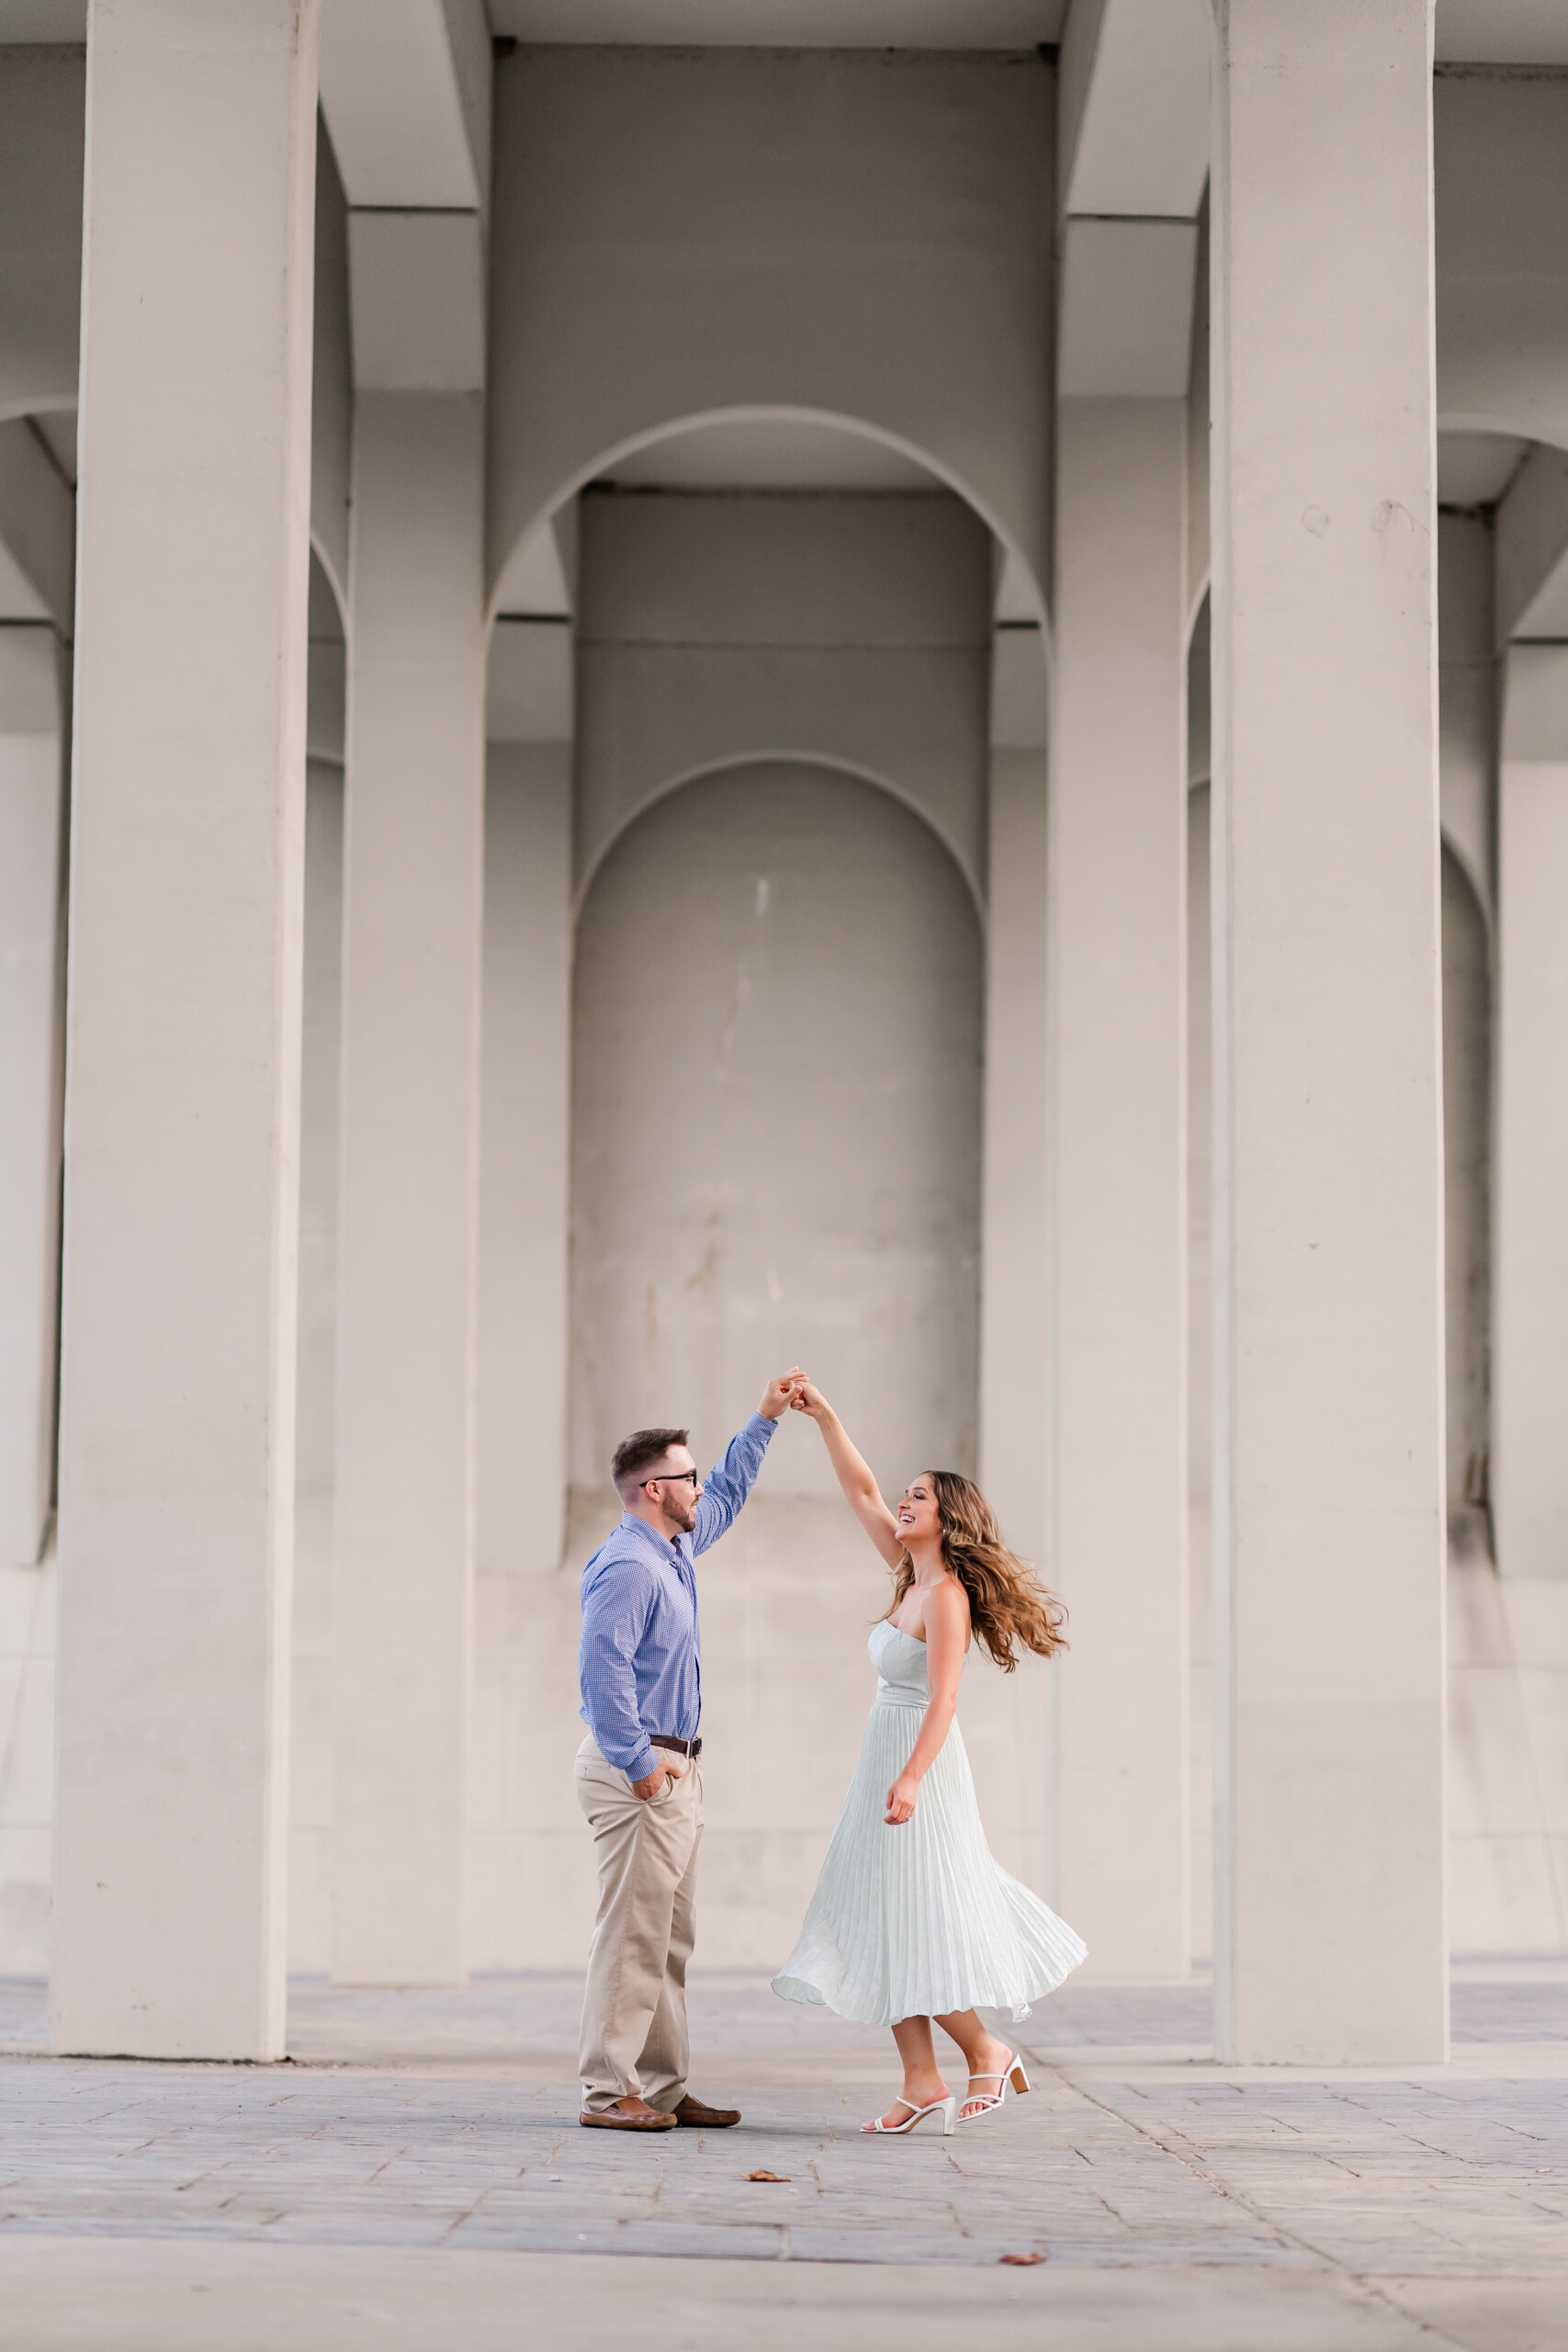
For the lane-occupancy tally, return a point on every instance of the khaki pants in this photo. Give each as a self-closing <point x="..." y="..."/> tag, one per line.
<point x="634" y="2041"/>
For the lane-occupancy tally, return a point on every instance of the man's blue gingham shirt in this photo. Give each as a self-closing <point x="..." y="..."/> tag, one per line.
<point x="640" y="1661"/>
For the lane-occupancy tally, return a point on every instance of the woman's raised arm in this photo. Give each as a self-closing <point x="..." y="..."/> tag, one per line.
<point x="860" y="1489"/>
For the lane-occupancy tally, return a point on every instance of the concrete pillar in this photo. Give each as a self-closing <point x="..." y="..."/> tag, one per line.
<point x="1117" y="1141"/>
<point x="1329" y="1486"/>
<point x="34" y="683"/>
<point x="524" y="1156"/>
<point x="1017" y="1738"/>
<point x="1012" y="1263"/>
<point x="176" y="1454"/>
<point x="1529" y="1362"/>
<point x="413" y="855"/>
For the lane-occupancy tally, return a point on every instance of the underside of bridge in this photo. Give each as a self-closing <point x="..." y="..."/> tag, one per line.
<point x="685" y="688"/>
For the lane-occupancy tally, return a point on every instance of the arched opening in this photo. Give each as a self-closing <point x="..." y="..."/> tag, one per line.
<point x="747" y="688"/>
<point x="776" y="1063"/>
<point x="775" y="1132"/>
<point x="761" y="448"/>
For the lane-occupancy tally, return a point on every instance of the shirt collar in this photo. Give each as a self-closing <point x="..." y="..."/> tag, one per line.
<point x="632" y="1525"/>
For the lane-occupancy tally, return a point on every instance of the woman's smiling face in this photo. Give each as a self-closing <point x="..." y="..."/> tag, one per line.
<point x="919" y="1521"/>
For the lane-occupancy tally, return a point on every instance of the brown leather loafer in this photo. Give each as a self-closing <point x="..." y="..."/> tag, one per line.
<point x="627" y="2115"/>
<point x="696" y="2117"/>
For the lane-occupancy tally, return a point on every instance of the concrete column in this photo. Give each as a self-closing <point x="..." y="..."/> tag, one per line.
<point x="1012" y="1261"/>
<point x="413" y="855"/>
<point x="176" y="1455"/>
<point x="1530" y="1361"/>
<point x="34" y="683"/>
<point x="1328" y="1483"/>
<point x="524" y="1156"/>
<point x="1117" y="1141"/>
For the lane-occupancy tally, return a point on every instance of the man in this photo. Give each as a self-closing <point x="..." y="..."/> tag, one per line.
<point x="637" y="1777"/>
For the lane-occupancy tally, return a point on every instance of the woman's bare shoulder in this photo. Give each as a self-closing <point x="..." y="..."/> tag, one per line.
<point x="947" y="1605"/>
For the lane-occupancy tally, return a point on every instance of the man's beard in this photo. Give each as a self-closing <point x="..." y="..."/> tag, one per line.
<point x="684" y="1514"/>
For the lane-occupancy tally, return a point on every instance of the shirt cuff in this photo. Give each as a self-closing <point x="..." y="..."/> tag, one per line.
<point x="643" y="1764"/>
<point x="761" y="1422"/>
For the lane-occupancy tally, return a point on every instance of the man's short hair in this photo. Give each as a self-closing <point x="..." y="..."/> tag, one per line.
<point x="635" y="1456"/>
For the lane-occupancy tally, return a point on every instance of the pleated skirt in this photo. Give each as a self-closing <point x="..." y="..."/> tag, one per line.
<point x="919" y="1920"/>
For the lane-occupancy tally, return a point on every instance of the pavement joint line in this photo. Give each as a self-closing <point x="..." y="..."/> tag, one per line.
<point x="1174" y="2148"/>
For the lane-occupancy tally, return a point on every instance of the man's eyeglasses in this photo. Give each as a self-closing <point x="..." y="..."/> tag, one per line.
<point x="672" y="1478"/>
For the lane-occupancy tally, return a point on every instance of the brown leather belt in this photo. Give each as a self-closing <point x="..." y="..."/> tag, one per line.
<point x="677" y="1746"/>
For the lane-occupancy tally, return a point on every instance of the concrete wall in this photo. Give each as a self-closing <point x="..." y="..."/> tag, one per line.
<point x="1502" y="245"/>
<point x="1467" y="1141"/>
<point x="1507" y="1760"/>
<point x="1467" y="694"/>
<point x="310" y="1696"/>
<point x="824" y="627"/>
<point x="866" y="236"/>
<point x="1200" y="1361"/>
<point x="42" y="103"/>
<point x="776" y="1124"/>
<point x="523" y="1158"/>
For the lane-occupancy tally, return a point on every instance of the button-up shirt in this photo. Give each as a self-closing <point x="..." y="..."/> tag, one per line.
<point x="639" y="1662"/>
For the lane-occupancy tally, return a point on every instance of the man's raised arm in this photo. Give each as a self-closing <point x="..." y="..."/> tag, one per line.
<point x="730" y="1481"/>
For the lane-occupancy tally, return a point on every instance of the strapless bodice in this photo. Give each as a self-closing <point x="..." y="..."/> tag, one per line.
<point x="900" y="1663"/>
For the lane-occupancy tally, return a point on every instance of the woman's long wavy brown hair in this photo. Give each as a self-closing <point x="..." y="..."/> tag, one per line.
<point x="1009" y="1606"/>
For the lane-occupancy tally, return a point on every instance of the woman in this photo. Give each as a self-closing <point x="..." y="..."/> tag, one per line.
<point x="912" y="1918"/>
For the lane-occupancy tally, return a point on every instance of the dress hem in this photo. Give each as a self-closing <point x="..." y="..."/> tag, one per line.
<point x="799" y="1989"/>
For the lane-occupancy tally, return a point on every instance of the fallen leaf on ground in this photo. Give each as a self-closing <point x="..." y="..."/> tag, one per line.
<point x="1021" y="2261"/>
<point x="767" y="2175"/>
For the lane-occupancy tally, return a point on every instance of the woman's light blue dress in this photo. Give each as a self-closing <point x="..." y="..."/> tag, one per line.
<point x="919" y="1920"/>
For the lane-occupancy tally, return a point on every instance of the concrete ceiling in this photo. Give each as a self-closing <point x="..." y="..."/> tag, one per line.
<point x="1497" y="32"/>
<point x="785" y="24"/>
<point x="43" y="21"/>
<point x="1503" y="32"/>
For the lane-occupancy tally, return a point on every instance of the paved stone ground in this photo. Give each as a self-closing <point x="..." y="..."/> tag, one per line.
<point x="416" y="2176"/>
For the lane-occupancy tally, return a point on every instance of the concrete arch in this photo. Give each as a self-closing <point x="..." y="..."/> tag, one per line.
<point x="884" y="247"/>
<point x="339" y="587"/>
<point x="1513" y="424"/>
<point x="1452" y="846"/>
<point x="856" y="427"/>
<point x="823" y="762"/>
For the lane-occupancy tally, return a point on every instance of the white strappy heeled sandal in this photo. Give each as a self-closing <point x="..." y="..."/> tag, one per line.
<point x="986" y="2102"/>
<point x="946" y="2108"/>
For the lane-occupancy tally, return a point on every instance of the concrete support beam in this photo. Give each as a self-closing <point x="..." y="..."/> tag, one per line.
<point x="1530" y="1358"/>
<point x="34" y="686"/>
<point x="1125" y="327"/>
<point x="1532" y="549"/>
<point x="405" y="1453"/>
<point x="405" y="89"/>
<point x="1135" y="108"/>
<point x="1116" y="1130"/>
<point x="176" y="1469"/>
<point x="1328" y="1504"/>
<point x="524" y="1156"/>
